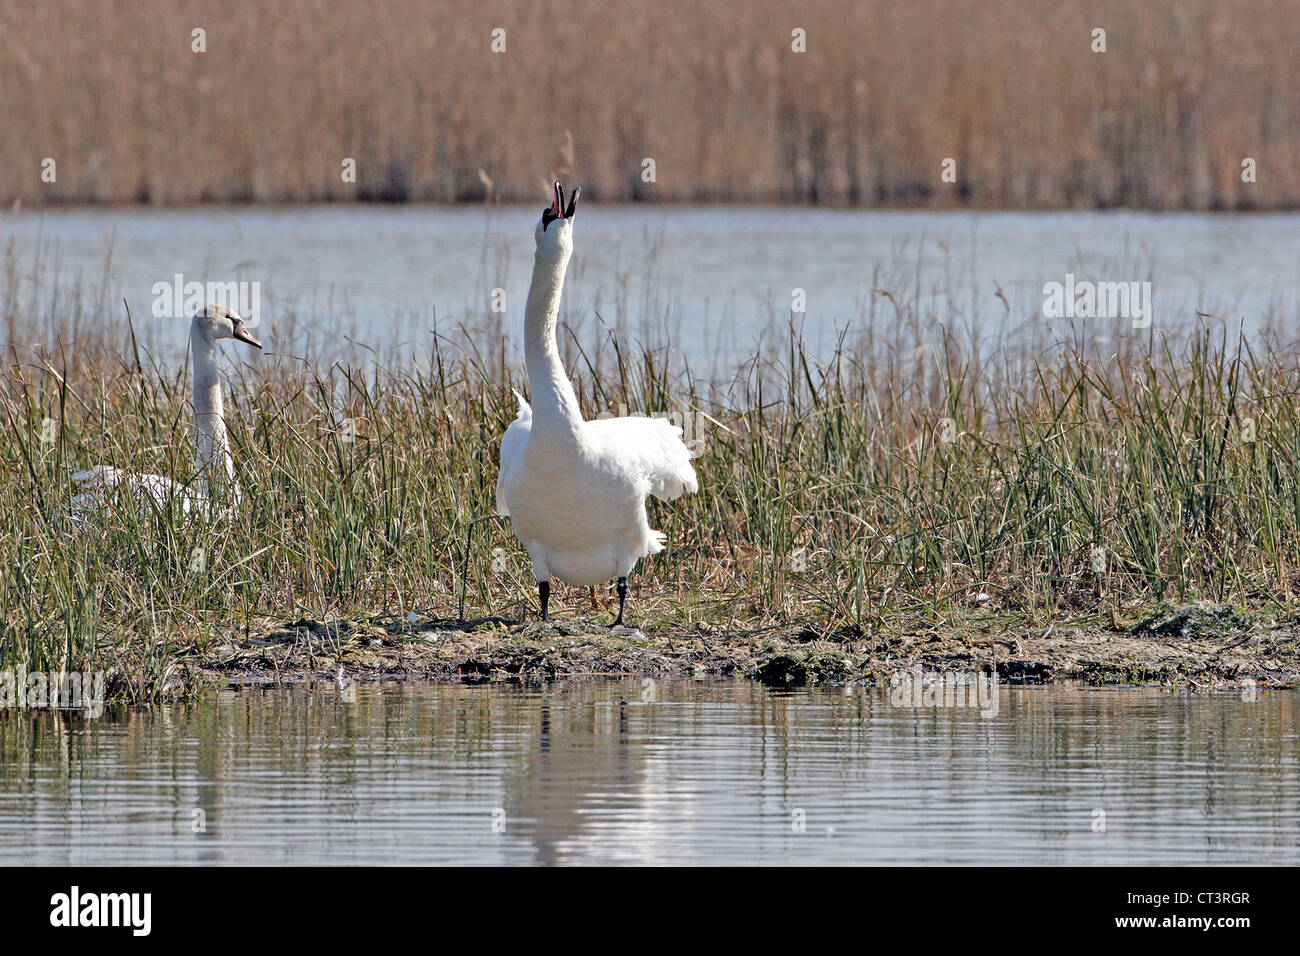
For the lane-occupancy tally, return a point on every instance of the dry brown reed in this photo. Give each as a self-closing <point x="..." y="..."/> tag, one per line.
<point x="712" y="92"/>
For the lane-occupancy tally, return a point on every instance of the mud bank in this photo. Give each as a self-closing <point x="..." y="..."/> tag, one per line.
<point x="1199" y="645"/>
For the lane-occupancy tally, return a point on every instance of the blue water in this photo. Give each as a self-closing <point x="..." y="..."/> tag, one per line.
<point x="707" y="279"/>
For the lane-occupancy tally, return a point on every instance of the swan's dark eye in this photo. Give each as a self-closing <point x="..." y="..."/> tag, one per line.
<point x="548" y="217"/>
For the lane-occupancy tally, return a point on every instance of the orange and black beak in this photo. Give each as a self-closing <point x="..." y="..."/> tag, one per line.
<point x="242" y="333"/>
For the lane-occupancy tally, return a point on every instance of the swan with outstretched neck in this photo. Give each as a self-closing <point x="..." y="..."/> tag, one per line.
<point x="215" y="470"/>
<point x="575" y="490"/>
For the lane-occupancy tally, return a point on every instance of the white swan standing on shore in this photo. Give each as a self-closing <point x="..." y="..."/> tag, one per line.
<point x="103" y="483"/>
<point x="575" y="490"/>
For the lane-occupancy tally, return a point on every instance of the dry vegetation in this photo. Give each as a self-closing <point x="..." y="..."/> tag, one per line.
<point x="711" y="91"/>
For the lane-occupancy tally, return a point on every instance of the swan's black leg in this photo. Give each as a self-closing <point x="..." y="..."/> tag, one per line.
<point x="544" y="592"/>
<point x="622" y="600"/>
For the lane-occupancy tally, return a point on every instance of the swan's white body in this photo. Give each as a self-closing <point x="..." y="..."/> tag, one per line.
<point x="104" y="483"/>
<point x="576" y="497"/>
<point x="215" y="469"/>
<point x="575" y="490"/>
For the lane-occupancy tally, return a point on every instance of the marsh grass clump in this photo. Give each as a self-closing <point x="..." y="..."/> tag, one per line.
<point x="911" y="479"/>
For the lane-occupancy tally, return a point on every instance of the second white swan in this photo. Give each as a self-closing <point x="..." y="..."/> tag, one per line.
<point x="103" y="483"/>
<point x="575" y="490"/>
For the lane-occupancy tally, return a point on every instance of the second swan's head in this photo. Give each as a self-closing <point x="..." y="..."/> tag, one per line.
<point x="219" y="322"/>
<point x="554" y="233"/>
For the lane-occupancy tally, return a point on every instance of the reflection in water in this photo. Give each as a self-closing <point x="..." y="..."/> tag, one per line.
<point x="705" y="772"/>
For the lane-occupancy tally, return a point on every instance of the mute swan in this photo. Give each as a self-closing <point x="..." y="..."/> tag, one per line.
<point x="575" y="490"/>
<point x="212" y="448"/>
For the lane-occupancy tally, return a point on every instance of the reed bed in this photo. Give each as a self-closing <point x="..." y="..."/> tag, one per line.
<point x="912" y="478"/>
<point x="712" y="92"/>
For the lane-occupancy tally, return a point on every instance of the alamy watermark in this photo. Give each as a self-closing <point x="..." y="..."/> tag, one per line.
<point x="75" y="908"/>
<point x="976" y="690"/>
<point x="179" y="298"/>
<point x="53" y="690"/>
<point x="691" y="423"/>
<point x="1098" y="300"/>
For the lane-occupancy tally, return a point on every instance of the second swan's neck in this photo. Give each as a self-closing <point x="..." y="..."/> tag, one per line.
<point x="553" y="401"/>
<point x="212" y="446"/>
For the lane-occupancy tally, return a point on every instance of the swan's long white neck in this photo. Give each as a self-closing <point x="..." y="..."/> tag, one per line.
<point x="553" y="401"/>
<point x="212" y="446"/>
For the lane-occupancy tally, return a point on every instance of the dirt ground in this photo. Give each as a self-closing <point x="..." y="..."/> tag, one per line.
<point x="1199" y="645"/>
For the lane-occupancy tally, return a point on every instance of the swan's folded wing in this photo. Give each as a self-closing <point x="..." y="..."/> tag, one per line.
<point x="654" y="448"/>
<point x="512" y="449"/>
<point x="98" y="485"/>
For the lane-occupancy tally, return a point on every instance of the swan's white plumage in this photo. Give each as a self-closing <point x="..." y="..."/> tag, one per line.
<point x="648" y="452"/>
<point x="512" y="446"/>
<point x="575" y="490"/>
<point x="654" y="449"/>
<point x="103" y="484"/>
<point x="578" y="505"/>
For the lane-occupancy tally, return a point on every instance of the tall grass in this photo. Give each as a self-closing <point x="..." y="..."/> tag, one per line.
<point x="910" y="479"/>
<point x="712" y="92"/>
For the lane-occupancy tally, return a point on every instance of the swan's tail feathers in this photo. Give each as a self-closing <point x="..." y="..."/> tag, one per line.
<point x="656" y="542"/>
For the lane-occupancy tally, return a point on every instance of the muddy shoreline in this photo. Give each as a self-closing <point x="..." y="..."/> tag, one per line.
<point x="1201" y="645"/>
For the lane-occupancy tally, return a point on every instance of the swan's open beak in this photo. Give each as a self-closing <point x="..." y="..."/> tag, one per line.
<point x="557" y="210"/>
<point x="244" y="335"/>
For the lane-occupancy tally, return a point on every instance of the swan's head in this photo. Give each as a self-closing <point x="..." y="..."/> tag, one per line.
<point x="219" y="322"/>
<point x="554" y="233"/>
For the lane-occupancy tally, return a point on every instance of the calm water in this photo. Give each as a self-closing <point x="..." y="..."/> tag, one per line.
<point x="708" y="772"/>
<point x="708" y="278"/>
